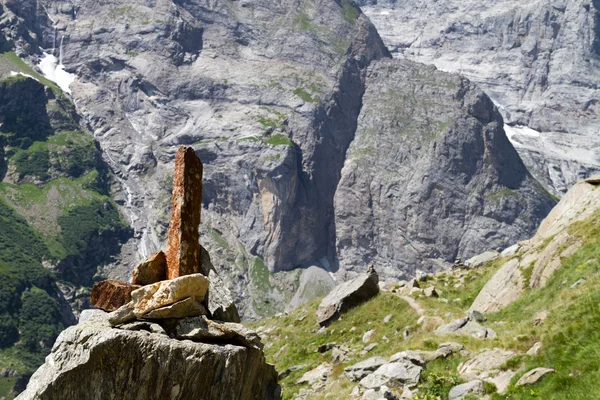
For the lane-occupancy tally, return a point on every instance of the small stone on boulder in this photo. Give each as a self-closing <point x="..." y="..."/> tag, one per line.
<point x="152" y="270"/>
<point x="111" y="295"/>
<point x="202" y="329"/>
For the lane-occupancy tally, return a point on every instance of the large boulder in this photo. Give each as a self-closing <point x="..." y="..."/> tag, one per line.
<point x="398" y="374"/>
<point x="346" y="296"/>
<point x="95" y="362"/>
<point x="358" y="371"/>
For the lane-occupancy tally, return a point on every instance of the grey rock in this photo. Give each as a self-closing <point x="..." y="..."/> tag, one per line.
<point x="527" y="56"/>
<point x="93" y="361"/>
<point x="403" y="207"/>
<point x="470" y="388"/>
<point x="316" y="375"/>
<point x="484" y="362"/>
<point x="370" y="347"/>
<point x="358" y="371"/>
<point x="93" y="315"/>
<point x="533" y="376"/>
<point x="535" y="349"/>
<point x="398" y="374"/>
<point x="482" y="259"/>
<point x="579" y="282"/>
<point x="315" y="282"/>
<point x="339" y="354"/>
<point x="476" y="316"/>
<point x="182" y="309"/>
<point x="467" y="327"/>
<point x="202" y="329"/>
<point x="346" y="296"/>
<point x="284" y="374"/>
<point x="368" y="336"/>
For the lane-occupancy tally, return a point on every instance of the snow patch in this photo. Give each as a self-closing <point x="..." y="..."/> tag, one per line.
<point x="14" y="73"/>
<point x="511" y="131"/>
<point x="55" y="71"/>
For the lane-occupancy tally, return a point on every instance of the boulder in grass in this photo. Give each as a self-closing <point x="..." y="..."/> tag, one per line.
<point x="397" y="375"/>
<point x="111" y="295"/>
<point x="533" y="376"/>
<point x="347" y="296"/>
<point x="153" y="270"/>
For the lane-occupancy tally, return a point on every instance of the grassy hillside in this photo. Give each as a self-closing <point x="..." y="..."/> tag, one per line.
<point x="570" y="335"/>
<point x="57" y="220"/>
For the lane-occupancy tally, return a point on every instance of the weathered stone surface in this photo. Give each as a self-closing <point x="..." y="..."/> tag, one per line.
<point x="219" y="301"/>
<point x="535" y="349"/>
<point x="93" y="315"/>
<point x="418" y="357"/>
<point x="189" y="307"/>
<point x="152" y="270"/>
<point x="203" y="329"/>
<point x="531" y="377"/>
<point x="529" y="58"/>
<point x="183" y="250"/>
<point x="398" y="374"/>
<point x="110" y="295"/>
<point x="95" y="362"/>
<point x="430" y="292"/>
<point x="482" y="259"/>
<point x="485" y="362"/>
<point x="468" y="327"/>
<point x="358" y="371"/>
<point x="545" y="250"/>
<point x="346" y="296"/>
<point x="164" y="293"/>
<point x="316" y="375"/>
<point x="470" y="388"/>
<point x="451" y="185"/>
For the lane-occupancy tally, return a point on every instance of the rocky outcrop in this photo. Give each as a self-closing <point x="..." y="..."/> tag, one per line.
<point x="430" y="175"/>
<point x="539" y="257"/>
<point x="346" y="296"/>
<point x="537" y="60"/>
<point x="94" y="361"/>
<point x="152" y="270"/>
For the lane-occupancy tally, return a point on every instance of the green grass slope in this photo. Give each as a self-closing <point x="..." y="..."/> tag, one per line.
<point x="570" y="335"/>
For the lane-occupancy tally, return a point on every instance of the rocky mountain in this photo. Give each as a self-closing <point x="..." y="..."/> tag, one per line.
<point x="537" y="61"/>
<point x="430" y="175"/>
<point x="272" y="110"/>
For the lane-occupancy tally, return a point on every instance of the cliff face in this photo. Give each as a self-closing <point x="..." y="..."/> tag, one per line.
<point x="537" y="60"/>
<point x="269" y="95"/>
<point x="430" y="175"/>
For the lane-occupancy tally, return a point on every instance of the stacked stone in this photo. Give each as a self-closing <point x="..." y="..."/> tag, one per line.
<point x="177" y="284"/>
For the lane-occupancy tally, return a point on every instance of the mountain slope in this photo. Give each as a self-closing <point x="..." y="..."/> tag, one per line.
<point x="537" y="60"/>
<point x="554" y="326"/>
<point x="58" y="222"/>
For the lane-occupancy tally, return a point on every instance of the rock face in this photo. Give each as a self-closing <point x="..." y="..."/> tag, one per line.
<point x="275" y="134"/>
<point x="110" y="295"/>
<point x="93" y="361"/>
<point x="430" y="175"/>
<point x="347" y="295"/>
<point x="537" y="60"/>
<point x="543" y="254"/>
<point x="183" y="251"/>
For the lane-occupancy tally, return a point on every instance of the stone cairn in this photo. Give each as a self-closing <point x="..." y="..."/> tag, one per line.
<point x="178" y="293"/>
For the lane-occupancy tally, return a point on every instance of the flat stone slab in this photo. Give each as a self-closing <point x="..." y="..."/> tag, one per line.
<point x="484" y="362"/>
<point x="164" y="293"/>
<point x="347" y="296"/>
<point x="189" y="307"/>
<point x="202" y="329"/>
<point x="111" y="295"/>
<point x="533" y="376"/>
<point x="152" y="270"/>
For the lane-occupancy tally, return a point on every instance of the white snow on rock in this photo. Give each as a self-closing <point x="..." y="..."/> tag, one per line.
<point x="511" y="131"/>
<point x="14" y="73"/>
<point x="55" y="71"/>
